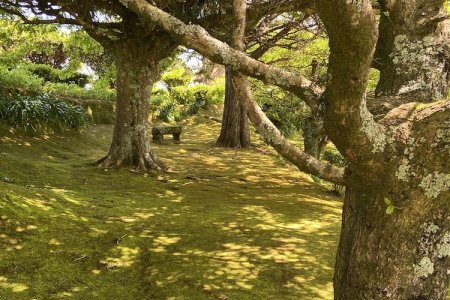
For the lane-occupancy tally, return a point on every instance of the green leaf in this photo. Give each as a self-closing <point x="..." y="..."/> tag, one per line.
<point x="390" y="210"/>
<point x="387" y="201"/>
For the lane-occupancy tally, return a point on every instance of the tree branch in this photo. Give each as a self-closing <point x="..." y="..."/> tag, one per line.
<point x="352" y="29"/>
<point x="263" y="125"/>
<point x="197" y="38"/>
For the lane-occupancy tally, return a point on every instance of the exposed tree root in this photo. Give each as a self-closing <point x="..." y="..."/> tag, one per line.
<point x="144" y="162"/>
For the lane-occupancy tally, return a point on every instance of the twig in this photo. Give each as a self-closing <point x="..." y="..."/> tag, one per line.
<point x="121" y="238"/>
<point x="81" y="257"/>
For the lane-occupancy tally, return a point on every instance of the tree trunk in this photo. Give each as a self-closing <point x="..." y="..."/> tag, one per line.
<point x="413" y="52"/>
<point x="235" y="131"/>
<point x="394" y="256"/>
<point x="314" y="137"/>
<point x="136" y="74"/>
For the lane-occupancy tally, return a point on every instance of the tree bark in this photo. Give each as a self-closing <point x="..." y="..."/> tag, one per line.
<point x="235" y="132"/>
<point x="394" y="256"/>
<point x="405" y="254"/>
<point x="137" y="71"/>
<point x="314" y="137"/>
<point x="413" y="52"/>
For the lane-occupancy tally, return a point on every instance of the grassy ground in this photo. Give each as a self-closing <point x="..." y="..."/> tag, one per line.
<point x="224" y="225"/>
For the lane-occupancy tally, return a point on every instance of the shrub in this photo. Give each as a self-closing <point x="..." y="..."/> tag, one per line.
<point x="215" y="92"/>
<point x="41" y="114"/>
<point x="182" y="101"/>
<point x="49" y="74"/>
<point x="170" y="112"/>
<point x="333" y="156"/>
<point x="20" y="79"/>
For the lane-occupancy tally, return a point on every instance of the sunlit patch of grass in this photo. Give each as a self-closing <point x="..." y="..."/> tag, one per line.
<point x="225" y="224"/>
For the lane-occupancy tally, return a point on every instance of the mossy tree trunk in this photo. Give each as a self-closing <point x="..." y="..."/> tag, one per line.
<point x="413" y="52"/>
<point x="395" y="236"/>
<point x="235" y="132"/>
<point x="399" y="256"/>
<point x="137" y="70"/>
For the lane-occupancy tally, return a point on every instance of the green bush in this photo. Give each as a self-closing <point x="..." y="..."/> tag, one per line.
<point x="333" y="156"/>
<point x="182" y="101"/>
<point x="170" y="112"/>
<point x="20" y="79"/>
<point x="49" y="74"/>
<point x="41" y="113"/>
<point x="215" y="92"/>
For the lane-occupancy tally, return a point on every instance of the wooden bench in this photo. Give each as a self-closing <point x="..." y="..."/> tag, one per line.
<point x="158" y="133"/>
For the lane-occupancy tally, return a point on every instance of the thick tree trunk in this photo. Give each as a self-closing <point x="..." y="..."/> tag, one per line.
<point x="136" y="74"/>
<point x="235" y="132"/>
<point x="398" y="256"/>
<point x="404" y="254"/>
<point x="413" y="52"/>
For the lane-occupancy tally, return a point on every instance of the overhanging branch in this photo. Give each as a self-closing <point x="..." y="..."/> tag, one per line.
<point x="197" y="38"/>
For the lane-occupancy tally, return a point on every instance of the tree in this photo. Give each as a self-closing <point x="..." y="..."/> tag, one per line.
<point x="235" y="131"/>
<point x="395" y="236"/>
<point x="137" y="47"/>
<point x="273" y="31"/>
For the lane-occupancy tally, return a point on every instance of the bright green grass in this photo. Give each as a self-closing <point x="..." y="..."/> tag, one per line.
<point x="226" y="224"/>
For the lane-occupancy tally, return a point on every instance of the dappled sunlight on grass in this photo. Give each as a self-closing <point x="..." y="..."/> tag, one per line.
<point x="14" y="287"/>
<point x="125" y="257"/>
<point x="224" y="224"/>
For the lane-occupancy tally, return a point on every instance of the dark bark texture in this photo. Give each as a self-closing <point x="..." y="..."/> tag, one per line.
<point x="413" y="52"/>
<point x="235" y="132"/>
<point x="137" y="64"/>
<point x="314" y="137"/>
<point x="403" y="255"/>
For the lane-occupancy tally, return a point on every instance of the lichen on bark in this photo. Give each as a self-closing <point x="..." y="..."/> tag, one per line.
<point x="435" y="184"/>
<point x="443" y="248"/>
<point x="424" y="268"/>
<point x="372" y="130"/>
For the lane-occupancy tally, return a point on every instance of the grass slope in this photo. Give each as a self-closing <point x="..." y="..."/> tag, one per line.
<point x="226" y="224"/>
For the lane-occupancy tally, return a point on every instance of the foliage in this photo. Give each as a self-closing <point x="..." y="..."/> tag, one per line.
<point x="178" y="76"/>
<point x="20" y="40"/>
<point x="41" y="113"/>
<point x="23" y="44"/>
<point x="173" y="105"/>
<point x="286" y="111"/>
<point x="333" y="156"/>
<point x="49" y="74"/>
<point x="374" y="77"/>
<point x="22" y="80"/>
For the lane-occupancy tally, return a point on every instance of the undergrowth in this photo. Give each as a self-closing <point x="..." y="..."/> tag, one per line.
<point x="41" y="113"/>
